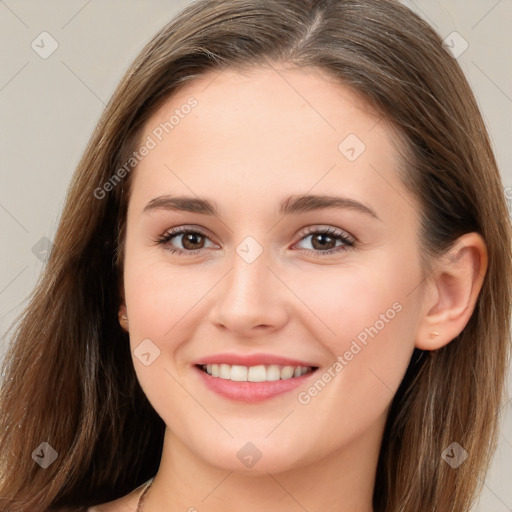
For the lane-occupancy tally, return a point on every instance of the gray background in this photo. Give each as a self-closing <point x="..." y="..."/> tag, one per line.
<point x="49" y="108"/>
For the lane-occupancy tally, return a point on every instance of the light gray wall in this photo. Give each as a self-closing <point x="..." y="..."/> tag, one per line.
<point x="49" y="106"/>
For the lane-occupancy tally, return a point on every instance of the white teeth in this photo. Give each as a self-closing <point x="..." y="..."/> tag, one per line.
<point x="224" y="371"/>
<point x="258" y="373"/>
<point x="238" y="373"/>
<point x="273" y="372"/>
<point x="287" y="372"/>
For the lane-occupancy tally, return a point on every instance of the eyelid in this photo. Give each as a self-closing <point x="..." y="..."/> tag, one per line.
<point x="349" y="241"/>
<point x="322" y="228"/>
<point x="181" y="230"/>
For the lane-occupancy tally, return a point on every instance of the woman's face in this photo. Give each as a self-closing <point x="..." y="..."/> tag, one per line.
<point x="249" y="285"/>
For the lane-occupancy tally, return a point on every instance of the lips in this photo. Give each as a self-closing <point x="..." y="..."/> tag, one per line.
<point x="252" y="378"/>
<point x="252" y="360"/>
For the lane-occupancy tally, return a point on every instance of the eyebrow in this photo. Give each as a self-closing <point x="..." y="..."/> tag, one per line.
<point x="292" y="205"/>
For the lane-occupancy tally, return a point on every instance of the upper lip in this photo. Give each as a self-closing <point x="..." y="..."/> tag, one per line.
<point x="252" y="360"/>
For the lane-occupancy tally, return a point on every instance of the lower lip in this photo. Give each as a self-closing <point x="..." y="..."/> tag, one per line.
<point x="251" y="391"/>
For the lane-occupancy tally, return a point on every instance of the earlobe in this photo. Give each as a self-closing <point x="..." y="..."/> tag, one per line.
<point x="123" y="317"/>
<point x="122" y="312"/>
<point x="454" y="286"/>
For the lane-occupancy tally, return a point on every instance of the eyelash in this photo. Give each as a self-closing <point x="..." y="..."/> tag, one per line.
<point x="348" y="241"/>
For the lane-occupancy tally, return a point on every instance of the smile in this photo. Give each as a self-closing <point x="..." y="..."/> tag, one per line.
<point x="252" y="378"/>
<point x="259" y="373"/>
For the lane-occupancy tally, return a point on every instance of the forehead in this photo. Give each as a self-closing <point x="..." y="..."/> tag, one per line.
<point x="274" y="97"/>
<point x="268" y="128"/>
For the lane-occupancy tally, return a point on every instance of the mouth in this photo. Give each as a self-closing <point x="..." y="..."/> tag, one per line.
<point x="254" y="381"/>
<point x="259" y="373"/>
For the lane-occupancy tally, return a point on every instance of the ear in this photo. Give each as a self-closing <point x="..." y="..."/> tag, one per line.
<point x="122" y="311"/>
<point x="451" y="292"/>
<point x="123" y="317"/>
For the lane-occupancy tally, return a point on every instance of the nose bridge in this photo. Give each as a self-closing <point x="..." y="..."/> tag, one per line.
<point x="249" y="295"/>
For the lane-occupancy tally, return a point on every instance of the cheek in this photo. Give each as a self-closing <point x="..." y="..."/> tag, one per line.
<point x="166" y="305"/>
<point x="162" y="315"/>
<point x="364" y="302"/>
<point x="158" y="296"/>
<point x="374" y="317"/>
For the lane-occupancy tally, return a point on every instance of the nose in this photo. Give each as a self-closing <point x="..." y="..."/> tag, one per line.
<point x="251" y="301"/>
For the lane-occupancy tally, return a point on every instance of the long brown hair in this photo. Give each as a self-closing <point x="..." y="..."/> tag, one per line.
<point x="68" y="378"/>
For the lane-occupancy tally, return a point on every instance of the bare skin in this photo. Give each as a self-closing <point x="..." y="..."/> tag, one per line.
<point x="254" y="140"/>
<point x="127" y="503"/>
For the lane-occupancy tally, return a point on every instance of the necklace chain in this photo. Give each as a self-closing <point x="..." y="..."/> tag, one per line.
<point x="140" y="504"/>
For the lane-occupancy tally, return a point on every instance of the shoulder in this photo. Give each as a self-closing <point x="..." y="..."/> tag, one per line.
<point x="119" y="505"/>
<point x="127" y="503"/>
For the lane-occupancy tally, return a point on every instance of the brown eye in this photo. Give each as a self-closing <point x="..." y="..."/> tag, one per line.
<point x="190" y="240"/>
<point x="325" y="241"/>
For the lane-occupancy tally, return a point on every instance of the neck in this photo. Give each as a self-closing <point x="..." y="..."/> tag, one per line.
<point x="342" y="481"/>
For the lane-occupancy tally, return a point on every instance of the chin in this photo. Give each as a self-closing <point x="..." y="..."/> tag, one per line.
<point x="251" y="456"/>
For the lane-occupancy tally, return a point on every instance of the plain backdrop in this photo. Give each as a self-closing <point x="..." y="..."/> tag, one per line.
<point x="50" y="103"/>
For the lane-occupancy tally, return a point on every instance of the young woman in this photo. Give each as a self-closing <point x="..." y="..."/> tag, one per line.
<point x="282" y="278"/>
